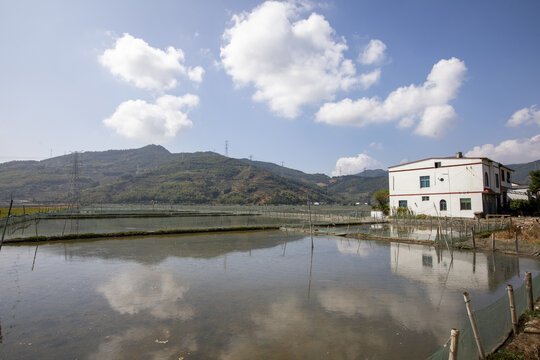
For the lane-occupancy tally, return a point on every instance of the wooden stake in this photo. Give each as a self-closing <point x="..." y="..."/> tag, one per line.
<point x="517" y="248"/>
<point x="493" y="241"/>
<point x="512" y="308"/>
<point x="5" y="224"/>
<point x="454" y="341"/>
<point x="310" y="224"/>
<point x="473" y="241"/>
<point x="470" y="313"/>
<point x="528" y="285"/>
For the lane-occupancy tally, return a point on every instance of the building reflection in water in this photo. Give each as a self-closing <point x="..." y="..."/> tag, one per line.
<point x="463" y="270"/>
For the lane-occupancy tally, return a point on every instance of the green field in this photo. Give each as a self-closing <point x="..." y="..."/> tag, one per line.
<point x="28" y="210"/>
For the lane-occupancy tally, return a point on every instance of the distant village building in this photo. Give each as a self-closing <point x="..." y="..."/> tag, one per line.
<point x="519" y="192"/>
<point x="450" y="186"/>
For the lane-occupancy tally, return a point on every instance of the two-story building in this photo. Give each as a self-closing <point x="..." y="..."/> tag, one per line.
<point x="450" y="186"/>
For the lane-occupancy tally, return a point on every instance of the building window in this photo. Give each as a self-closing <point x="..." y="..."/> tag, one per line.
<point x="442" y="205"/>
<point x="427" y="260"/>
<point x="508" y="176"/>
<point x="402" y="203"/>
<point x="424" y="181"/>
<point x="502" y="175"/>
<point x="465" y="204"/>
<point x="497" y="180"/>
<point x="438" y="164"/>
<point x="486" y="179"/>
<point x="425" y="198"/>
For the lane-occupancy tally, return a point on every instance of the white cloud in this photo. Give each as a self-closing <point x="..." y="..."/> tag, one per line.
<point x="291" y="61"/>
<point x="354" y="165"/>
<point x="436" y="120"/>
<point x="136" y="62"/>
<point x="157" y="123"/>
<point x="368" y="79"/>
<point x="373" y="53"/>
<point x="525" y="116"/>
<point x="196" y="74"/>
<point x="510" y="151"/>
<point x="428" y="102"/>
<point x="376" y="145"/>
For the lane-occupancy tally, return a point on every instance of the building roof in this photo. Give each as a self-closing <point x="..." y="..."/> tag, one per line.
<point x="450" y="158"/>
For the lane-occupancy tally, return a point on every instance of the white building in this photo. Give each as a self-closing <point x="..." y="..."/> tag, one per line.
<point x="519" y="192"/>
<point x="450" y="186"/>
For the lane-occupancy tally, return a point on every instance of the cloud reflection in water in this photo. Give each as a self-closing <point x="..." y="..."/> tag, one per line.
<point x="143" y="343"/>
<point x="288" y="330"/>
<point x="142" y="289"/>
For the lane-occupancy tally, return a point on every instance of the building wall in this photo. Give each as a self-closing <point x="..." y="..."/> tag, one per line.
<point x="456" y="178"/>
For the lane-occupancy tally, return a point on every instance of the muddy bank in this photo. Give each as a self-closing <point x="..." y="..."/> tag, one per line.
<point x="527" y="231"/>
<point x="526" y="344"/>
<point x="136" y="233"/>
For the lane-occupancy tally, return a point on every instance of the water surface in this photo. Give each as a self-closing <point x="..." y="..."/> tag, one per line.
<point x="259" y="295"/>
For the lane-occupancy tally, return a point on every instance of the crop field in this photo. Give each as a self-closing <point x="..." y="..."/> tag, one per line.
<point x="29" y="210"/>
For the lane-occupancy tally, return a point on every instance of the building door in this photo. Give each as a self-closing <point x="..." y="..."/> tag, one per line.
<point x="489" y="201"/>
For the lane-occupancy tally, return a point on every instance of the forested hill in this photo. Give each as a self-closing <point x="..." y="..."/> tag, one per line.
<point x="521" y="171"/>
<point x="152" y="173"/>
<point x="289" y="173"/>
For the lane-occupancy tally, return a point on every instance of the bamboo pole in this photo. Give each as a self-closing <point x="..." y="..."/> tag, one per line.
<point x="473" y="240"/>
<point x="512" y="309"/>
<point x="528" y="285"/>
<point x="6" y="223"/>
<point x="454" y="341"/>
<point x="470" y="313"/>
<point x="517" y="248"/>
<point x="310" y="224"/>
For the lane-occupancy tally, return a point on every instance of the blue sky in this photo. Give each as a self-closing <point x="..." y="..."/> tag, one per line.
<point x="331" y="87"/>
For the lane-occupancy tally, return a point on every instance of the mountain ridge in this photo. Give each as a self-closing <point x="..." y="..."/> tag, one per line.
<point x="152" y="173"/>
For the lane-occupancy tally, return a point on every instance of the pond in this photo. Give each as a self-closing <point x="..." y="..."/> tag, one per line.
<point x="106" y="225"/>
<point x="257" y="295"/>
<point x="410" y="231"/>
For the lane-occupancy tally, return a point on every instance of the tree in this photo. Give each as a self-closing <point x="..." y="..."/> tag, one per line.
<point x="381" y="199"/>
<point x="534" y="188"/>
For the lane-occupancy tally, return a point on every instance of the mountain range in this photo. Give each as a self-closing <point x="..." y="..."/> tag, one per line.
<point x="152" y="173"/>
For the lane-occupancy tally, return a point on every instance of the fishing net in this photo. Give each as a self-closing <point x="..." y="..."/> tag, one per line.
<point x="494" y="324"/>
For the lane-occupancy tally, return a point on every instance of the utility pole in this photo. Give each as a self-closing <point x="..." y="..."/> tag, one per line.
<point x="227" y="148"/>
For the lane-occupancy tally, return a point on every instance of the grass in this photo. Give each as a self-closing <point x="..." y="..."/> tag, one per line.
<point x="507" y="355"/>
<point x="18" y="211"/>
<point x="486" y="234"/>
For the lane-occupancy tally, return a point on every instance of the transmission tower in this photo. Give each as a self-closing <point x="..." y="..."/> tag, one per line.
<point x="74" y="194"/>
<point x="227" y="148"/>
